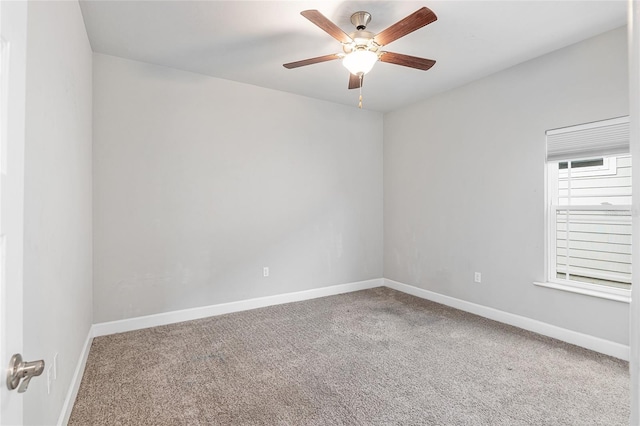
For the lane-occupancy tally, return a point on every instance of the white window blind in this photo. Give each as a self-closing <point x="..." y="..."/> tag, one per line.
<point x="606" y="137"/>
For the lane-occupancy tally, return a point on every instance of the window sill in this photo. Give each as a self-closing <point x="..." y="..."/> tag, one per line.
<point x="619" y="295"/>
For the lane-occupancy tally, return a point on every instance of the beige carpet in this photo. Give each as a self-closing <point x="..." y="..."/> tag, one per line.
<point x="371" y="357"/>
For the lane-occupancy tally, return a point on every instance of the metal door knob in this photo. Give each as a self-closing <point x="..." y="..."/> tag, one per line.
<point x="18" y="370"/>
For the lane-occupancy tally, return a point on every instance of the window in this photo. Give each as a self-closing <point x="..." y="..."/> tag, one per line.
<point x="589" y="209"/>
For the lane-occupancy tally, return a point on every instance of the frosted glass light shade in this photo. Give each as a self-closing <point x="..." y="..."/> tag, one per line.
<point x="359" y="62"/>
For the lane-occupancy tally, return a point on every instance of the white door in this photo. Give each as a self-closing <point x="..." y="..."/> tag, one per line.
<point x="13" y="35"/>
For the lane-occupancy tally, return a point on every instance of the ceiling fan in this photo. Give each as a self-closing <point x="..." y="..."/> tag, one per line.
<point x="361" y="48"/>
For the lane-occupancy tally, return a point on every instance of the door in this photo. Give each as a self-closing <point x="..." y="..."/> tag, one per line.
<point x="13" y="37"/>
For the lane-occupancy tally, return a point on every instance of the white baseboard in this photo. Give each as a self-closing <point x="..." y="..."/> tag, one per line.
<point x="597" y="344"/>
<point x="130" y="324"/>
<point x="67" y="406"/>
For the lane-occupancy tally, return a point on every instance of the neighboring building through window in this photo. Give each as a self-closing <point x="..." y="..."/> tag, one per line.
<point x="589" y="206"/>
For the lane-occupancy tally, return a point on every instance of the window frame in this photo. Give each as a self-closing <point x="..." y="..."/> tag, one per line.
<point x="552" y="281"/>
<point x="608" y="168"/>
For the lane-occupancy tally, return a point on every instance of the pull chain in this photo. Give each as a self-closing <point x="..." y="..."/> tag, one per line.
<point x="360" y="101"/>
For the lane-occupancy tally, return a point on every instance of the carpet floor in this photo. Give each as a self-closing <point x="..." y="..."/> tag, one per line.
<point x="370" y="357"/>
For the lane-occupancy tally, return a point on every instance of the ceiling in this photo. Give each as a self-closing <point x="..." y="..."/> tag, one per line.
<point x="248" y="41"/>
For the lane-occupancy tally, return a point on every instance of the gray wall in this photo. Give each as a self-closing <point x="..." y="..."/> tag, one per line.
<point x="464" y="183"/>
<point x="201" y="182"/>
<point x="57" y="239"/>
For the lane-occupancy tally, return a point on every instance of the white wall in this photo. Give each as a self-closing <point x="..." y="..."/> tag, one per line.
<point x="57" y="252"/>
<point x="464" y="183"/>
<point x="201" y="182"/>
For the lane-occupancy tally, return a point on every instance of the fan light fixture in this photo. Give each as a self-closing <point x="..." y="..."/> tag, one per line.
<point x="359" y="62"/>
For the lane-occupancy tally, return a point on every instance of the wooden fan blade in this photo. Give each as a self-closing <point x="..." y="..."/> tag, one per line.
<point x="311" y="61"/>
<point x="416" y="20"/>
<point x="354" y="81"/>
<point x="326" y="25"/>
<point x="407" y="60"/>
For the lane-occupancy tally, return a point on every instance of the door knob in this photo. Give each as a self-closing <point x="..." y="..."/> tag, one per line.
<point x="18" y="370"/>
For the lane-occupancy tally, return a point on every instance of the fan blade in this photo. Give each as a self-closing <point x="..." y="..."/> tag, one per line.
<point x="407" y="61"/>
<point x="416" y="20"/>
<point x="326" y="25"/>
<point x="354" y="81"/>
<point x="311" y="61"/>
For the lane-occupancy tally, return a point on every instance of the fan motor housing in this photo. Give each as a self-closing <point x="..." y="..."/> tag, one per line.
<point x="362" y="40"/>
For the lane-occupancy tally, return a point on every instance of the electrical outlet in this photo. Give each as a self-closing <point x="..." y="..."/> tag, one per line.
<point x="265" y="271"/>
<point x="477" y="277"/>
<point x="55" y="366"/>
